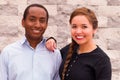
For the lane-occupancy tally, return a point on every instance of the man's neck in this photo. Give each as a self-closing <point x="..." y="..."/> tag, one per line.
<point x="33" y="42"/>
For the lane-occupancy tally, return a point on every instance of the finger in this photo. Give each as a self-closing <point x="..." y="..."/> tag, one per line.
<point x="52" y="47"/>
<point x="55" y="45"/>
<point x="48" y="46"/>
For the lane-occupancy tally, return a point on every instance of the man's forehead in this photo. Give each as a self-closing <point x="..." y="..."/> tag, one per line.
<point x="38" y="11"/>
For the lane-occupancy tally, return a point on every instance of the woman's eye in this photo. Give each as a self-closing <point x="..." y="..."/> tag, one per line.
<point x="84" y="26"/>
<point x="73" y="26"/>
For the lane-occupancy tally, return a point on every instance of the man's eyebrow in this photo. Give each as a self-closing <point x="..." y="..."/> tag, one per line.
<point x="42" y="18"/>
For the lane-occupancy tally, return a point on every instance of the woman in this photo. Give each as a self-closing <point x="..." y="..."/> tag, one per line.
<point x="82" y="58"/>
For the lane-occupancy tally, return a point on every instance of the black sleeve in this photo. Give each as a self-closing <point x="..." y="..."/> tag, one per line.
<point x="52" y="38"/>
<point x="103" y="69"/>
<point x="64" y="51"/>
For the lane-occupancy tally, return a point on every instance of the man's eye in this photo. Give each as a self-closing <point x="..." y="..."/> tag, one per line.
<point x="42" y="21"/>
<point x="32" y="20"/>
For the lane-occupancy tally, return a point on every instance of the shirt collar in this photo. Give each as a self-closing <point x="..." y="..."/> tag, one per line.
<point x="25" y="41"/>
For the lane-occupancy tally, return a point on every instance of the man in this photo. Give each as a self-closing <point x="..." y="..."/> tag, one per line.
<point x="29" y="59"/>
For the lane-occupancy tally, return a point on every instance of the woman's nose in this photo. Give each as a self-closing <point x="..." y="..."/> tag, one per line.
<point x="78" y="30"/>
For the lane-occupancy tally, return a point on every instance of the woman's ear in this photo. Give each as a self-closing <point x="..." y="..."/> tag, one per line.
<point x="95" y="30"/>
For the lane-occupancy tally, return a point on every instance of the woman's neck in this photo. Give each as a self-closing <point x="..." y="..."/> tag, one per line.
<point x="86" y="48"/>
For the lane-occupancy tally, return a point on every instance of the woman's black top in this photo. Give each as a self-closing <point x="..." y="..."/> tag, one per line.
<point x="94" y="65"/>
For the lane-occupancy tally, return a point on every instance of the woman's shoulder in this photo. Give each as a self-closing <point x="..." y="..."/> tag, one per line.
<point x="101" y="53"/>
<point x="64" y="50"/>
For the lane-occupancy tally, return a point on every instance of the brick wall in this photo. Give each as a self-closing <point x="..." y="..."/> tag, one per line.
<point x="107" y="11"/>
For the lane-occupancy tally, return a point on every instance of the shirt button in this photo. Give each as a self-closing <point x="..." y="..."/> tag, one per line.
<point x="74" y="61"/>
<point x="67" y="74"/>
<point x="68" y="70"/>
<point x="76" y="57"/>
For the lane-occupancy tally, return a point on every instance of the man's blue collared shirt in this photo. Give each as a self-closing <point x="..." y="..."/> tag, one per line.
<point x="19" y="61"/>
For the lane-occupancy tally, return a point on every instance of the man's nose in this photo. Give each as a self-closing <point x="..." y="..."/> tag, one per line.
<point x="37" y="24"/>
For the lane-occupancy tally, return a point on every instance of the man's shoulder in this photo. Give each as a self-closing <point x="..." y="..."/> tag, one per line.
<point x="11" y="45"/>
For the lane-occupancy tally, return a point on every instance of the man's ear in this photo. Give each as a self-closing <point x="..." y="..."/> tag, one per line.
<point x="23" y="23"/>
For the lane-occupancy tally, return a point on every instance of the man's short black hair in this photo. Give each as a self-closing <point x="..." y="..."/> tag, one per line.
<point x="34" y="5"/>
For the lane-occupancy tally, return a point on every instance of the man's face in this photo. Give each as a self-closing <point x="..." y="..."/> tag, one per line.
<point x="35" y="23"/>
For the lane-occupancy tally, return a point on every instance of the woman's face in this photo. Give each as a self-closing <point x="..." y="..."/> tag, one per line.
<point x="81" y="30"/>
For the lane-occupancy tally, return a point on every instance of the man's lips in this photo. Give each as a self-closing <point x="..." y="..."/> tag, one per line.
<point x="36" y="31"/>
